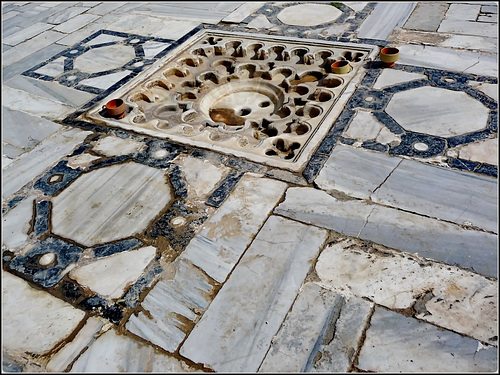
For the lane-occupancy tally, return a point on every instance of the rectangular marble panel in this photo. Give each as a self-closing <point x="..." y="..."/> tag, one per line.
<point x="384" y="19"/>
<point x="463" y="12"/>
<point x="446" y="194"/>
<point x="66" y="14"/>
<point x="396" y="343"/>
<point x="32" y="164"/>
<point x="469" y="28"/>
<point x="371" y="169"/>
<point x="243" y="11"/>
<point x="427" y="16"/>
<point x="26" y="33"/>
<point x="235" y="332"/>
<point x="226" y="235"/>
<point x="76" y="23"/>
<point x="320" y="333"/>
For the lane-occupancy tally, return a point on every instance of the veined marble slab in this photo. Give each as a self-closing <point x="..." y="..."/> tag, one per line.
<point x="390" y="77"/>
<point x="114" y="146"/>
<point x="110" y="203"/>
<point x="105" y="58"/>
<point x="309" y="14"/>
<point x="469" y="28"/>
<point x="75" y="23"/>
<point x="321" y="333"/>
<point x="110" y="276"/>
<point x="448" y="59"/>
<point x="169" y="304"/>
<point x="384" y="19"/>
<point x="372" y="168"/>
<point x="458" y="300"/>
<point x="226" y="235"/>
<point x="462" y="12"/>
<point x="113" y="352"/>
<point x="430" y="238"/>
<point x="490" y="89"/>
<point x="63" y="358"/>
<point x="184" y="12"/>
<point x="363" y="126"/>
<point x="427" y="16"/>
<point x="23" y="131"/>
<point x="243" y="11"/>
<point x="16" y="224"/>
<point x="104" y="8"/>
<point x="32" y="164"/>
<point x="66" y="14"/>
<point x="37" y="321"/>
<point x="459" y="197"/>
<point x="484" y="152"/>
<point x="396" y="343"/>
<point x="26" y="33"/>
<point x="106" y="81"/>
<point x="235" y="332"/>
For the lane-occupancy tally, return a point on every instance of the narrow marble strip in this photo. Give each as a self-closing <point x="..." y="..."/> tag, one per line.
<point x="461" y="198"/>
<point x="243" y="11"/>
<point x="321" y="333"/>
<point x="384" y="19"/>
<point x="396" y="343"/>
<point x="235" y="332"/>
<point x="225" y="236"/>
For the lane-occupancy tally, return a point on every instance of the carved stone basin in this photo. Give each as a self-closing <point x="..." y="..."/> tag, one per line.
<point x="268" y="99"/>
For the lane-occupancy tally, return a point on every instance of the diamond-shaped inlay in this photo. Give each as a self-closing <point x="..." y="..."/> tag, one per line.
<point x="104" y="58"/>
<point x="110" y="203"/>
<point x="268" y="99"/>
<point x="437" y="111"/>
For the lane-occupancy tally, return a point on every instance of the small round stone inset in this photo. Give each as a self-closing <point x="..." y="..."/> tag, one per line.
<point x="47" y="259"/>
<point x="178" y="221"/>
<point x="160" y="154"/>
<point x="420" y="146"/>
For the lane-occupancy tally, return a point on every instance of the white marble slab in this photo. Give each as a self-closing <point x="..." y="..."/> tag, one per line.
<point x="75" y="23"/>
<point x="357" y="6"/>
<point x="105" y="58"/>
<point x="22" y="132"/>
<point x="235" y="332"/>
<point x="384" y="19"/>
<point x="29" y="47"/>
<point x="226" y="235"/>
<point x="114" y="146"/>
<point x="490" y="89"/>
<point x="462" y="12"/>
<point x="151" y="49"/>
<point x="66" y="14"/>
<point x="437" y="111"/>
<point x="37" y="321"/>
<point x="469" y="28"/>
<point x="449" y="59"/>
<point x="243" y="11"/>
<point x="260" y="22"/>
<point x="104" y="38"/>
<point x="114" y="352"/>
<point x="52" y="69"/>
<point x="30" y="165"/>
<point x="446" y="194"/>
<point x="104" y="8"/>
<point x="106" y="81"/>
<point x="110" y="203"/>
<point x="308" y="14"/>
<point x="390" y="77"/>
<point x="16" y="224"/>
<point x="111" y="276"/>
<point x="396" y="343"/>
<point x="471" y="42"/>
<point x="69" y="352"/>
<point x="170" y="305"/>
<point x="372" y="168"/>
<point x="484" y="151"/>
<point x="26" y="33"/>
<point x="461" y="301"/>
<point x="363" y="126"/>
<point x="33" y="104"/>
<point x="427" y="16"/>
<point x="82" y="161"/>
<point x="320" y="333"/>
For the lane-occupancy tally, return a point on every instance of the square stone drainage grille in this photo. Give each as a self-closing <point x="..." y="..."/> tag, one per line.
<point x="265" y="98"/>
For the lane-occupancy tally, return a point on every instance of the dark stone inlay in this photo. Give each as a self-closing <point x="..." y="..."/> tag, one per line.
<point x="178" y="182"/>
<point x="374" y="100"/>
<point x="30" y="268"/>
<point x="347" y="141"/>
<point x="245" y="165"/>
<point x="375" y="146"/>
<point x="389" y="122"/>
<point x="335" y="132"/>
<point x="117" y="247"/>
<point x="436" y="146"/>
<point x="133" y="295"/>
<point x="469" y="138"/>
<point x="314" y="166"/>
<point x="41" y="224"/>
<point x="71" y="291"/>
<point x="487" y="169"/>
<point x="220" y="194"/>
<point x="61" y="169"/>
<point x="15" y="201"/>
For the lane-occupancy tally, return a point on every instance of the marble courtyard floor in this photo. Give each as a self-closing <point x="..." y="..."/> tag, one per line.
<point x="321" y="222"/>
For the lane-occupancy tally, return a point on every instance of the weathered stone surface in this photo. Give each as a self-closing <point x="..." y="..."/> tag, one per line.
<point x="309" y="14"/>
<point x="235" y="332"/>
<point x="396" y="343"/>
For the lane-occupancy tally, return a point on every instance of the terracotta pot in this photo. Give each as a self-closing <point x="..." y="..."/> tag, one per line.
<point x="341" y="67"/>
<point x="115" y="108"/>
<point x="389" y="56"/>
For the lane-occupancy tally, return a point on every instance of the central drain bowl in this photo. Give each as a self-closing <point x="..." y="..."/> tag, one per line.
<point x="265" y="98"/>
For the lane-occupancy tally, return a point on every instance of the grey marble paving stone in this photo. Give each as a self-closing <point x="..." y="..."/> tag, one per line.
<point x="104" y="8"/>
<point x="76" y="23"/>
<point x="26" y="33"/>
<point x="225" y="236"/>
<point x="390" y="77"/>
<point x="384" y="19"/>
<point x="114" y="352"/>
<point x="51" y="90"/>
<point x="243" y="11"/>
<point x="308" y="14"/>
<point x="24" y="131"/>
<point x="463" y="12"/>
<point x="16" y="224"/>
<point x="235" y="332"/>
<point x="30" y="165"/>
<point x="371" y="169"/>
<point x="449" y="59"/>
<point x="395" y="342"/>
<point x="401" y="230"/>
<point x="427" y="16"/>
<point x="321" y="333"/>
<point x="66" y="14"/>
<point x="106" y="81"/>
<point x="169" y="304"/>
<point x="469" y="28"/>
<point x="451" y="195"/>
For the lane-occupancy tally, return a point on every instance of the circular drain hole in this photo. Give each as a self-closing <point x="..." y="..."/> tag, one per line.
<point x="47" y="259"/>
<point x="264" y="104"/>
<point x="160" y="154"/>
<point x="420" y="146"/>
<point x="178" y="221"/>
<point x="244" y="111"/>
